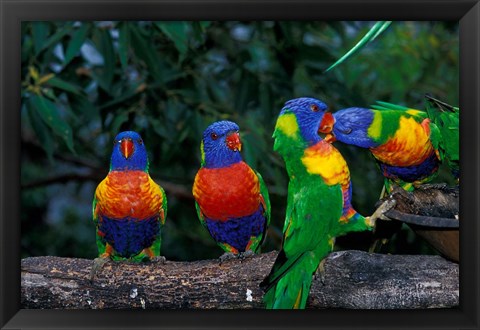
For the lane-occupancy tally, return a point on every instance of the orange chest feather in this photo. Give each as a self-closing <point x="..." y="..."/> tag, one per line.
<point x="228" y="192"/>
<point x="128" y="194"/>
<point x="409" y="146"/>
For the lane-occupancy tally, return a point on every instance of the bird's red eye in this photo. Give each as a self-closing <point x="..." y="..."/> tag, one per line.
<point x="314" y="107"/>
<point x="214" y="136"/>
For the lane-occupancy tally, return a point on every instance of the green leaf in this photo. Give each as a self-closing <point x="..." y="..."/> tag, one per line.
<point x="145" y="52"/>
<point x="82" y="106"/>
<point x="41" y="131"/>
<point x="199" y="29"/>
<point x="177" y="32"/>
<point x="64" y="85"/>
<point x="40" y="32"/>
<point x="132" y="91"/>
<point x="378" y="28"/>
<point x="104" y="44"/>
<point x="78" y="38"/>
<point x="56" y="37"/>
<point x="123" y="44"/>
<point x="118" y="121"/>
<point x="50" y="115"/>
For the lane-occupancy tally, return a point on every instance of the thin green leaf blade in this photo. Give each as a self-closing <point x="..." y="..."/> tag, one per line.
<point x="372" y="33"/>
<point x="78" y="38"/>
<point x="104" y="44"/>
<point x="123" y="44"/>
<point x="41" y="131"/>
<point x="40" y="33"/>
<point x="64" y="85"/>
<point x="49" y="113"/>
<point x="177" y="32"/>
<point x="145" y="52"/>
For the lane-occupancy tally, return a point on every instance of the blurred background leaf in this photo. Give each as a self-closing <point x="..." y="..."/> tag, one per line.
<point x="83" y="82"/>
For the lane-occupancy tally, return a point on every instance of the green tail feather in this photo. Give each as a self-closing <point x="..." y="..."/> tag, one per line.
<point x="381" y="105"/>
<point x="288" y="285"/>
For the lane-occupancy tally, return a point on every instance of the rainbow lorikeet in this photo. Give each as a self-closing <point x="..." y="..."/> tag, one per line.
<point x="319" y="205"/>
<point x="231" y="198"/>
<point x="129" y="208"/>
<point x="404" y="142"/>
<point x="446" y="118"/>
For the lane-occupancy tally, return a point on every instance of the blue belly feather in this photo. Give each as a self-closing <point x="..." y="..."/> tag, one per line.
<point x="129" y="236"/>
<point x="411" y="173"/>
<point x="237" y="231"/>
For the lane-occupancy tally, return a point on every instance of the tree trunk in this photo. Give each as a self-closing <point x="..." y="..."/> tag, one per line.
<point x="353" y="279"/>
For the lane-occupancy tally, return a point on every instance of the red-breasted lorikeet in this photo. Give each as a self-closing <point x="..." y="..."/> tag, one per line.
<point x="129" y="208"/>
<point x="231" y="198"/>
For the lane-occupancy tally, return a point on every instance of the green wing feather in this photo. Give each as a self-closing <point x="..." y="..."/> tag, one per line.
<point x="381" y="105"/>
<point x="266" y="198"/>
<point x="200" y="215"/>
<point x="374" y="32"/>
<point x="446" y="118"/>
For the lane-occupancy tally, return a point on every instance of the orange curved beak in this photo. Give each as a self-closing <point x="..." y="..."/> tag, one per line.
<point x="126" y="148"/>
<point x="326" y="125"/>
<point x="233" y="141"/>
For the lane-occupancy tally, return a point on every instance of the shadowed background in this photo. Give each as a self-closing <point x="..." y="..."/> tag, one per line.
<point x="83" y="82"/>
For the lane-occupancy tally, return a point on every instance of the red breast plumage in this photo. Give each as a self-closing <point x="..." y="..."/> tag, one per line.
<point x="227" y="192"/>
<point x="128" y="194"/>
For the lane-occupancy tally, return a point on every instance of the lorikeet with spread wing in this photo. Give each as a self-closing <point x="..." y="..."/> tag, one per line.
<point x="318" y="205"/>
<point x="129" y="208"/>
<point x="404" y="141"/>
<point x="231" y="198"/>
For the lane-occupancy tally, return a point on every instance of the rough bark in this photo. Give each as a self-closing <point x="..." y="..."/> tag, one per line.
<point x="353" y="279"/>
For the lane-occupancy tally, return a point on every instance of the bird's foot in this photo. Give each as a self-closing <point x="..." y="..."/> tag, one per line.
<point x="97" y="266"/>
<point x="427" y="186"/>
<point x="158" y="259"/>
<point x="246" y="254"/>
<point x="320" y="272"/>
<point x="380" y="211"/>
<point x="228" y="256"/>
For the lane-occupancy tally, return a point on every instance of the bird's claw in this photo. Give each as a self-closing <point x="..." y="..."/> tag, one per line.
<point x="97" y="265"/>
<point x="439" y="186"/>
<point x="158" y="259"/>
<point x="246" y="254"/>
<point x="380" y="212"/>
<point x="227" y="256"/>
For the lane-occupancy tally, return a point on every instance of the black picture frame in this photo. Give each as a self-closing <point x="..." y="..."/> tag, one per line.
<point x="467" y="12"/>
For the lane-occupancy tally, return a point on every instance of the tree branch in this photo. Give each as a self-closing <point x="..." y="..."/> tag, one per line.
<point x="353" y="279"/>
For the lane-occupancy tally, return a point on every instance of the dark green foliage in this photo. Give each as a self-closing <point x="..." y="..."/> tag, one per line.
<point x="83" y="82"/>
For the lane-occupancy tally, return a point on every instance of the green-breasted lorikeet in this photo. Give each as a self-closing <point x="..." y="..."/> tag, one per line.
<point x="318" y="205"/>
<point x="404" y="142"/>
<point x="129" y="208"/>
<point x="231" y="198"/>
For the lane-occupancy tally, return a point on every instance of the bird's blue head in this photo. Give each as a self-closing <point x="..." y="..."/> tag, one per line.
<point x="351" y="126"/>
<point x="129" y="153"/>
<point x="310" y="116"/>
<point x="221" y="145"/>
